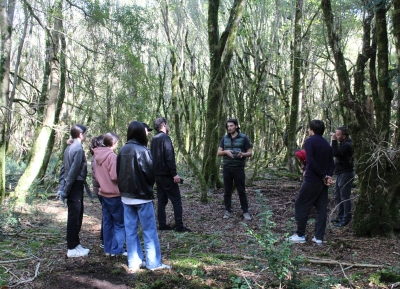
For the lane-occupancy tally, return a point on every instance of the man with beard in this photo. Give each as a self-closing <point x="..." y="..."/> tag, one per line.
<point x="235" y="147"/>
<point x="344" y="170"/>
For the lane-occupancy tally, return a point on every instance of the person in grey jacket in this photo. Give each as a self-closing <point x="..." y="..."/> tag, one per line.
<point x="72" y="179"/>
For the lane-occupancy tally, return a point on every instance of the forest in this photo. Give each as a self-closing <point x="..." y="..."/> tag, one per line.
<point x="273" y="65"/>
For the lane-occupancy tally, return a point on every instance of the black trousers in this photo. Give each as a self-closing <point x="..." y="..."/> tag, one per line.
<point x="237" y="175"/>
<point x="167" y="189"/>
<point x="75" y="214"/>
<point x="311" y="195"/>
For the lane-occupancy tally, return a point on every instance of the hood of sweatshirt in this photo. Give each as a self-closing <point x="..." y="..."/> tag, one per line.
<point x="101" y="154"/>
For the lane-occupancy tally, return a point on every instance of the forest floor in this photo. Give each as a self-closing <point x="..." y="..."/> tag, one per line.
<point x="219" y="253"/>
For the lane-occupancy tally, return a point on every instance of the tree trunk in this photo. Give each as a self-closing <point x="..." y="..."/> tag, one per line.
<point x="43" y="138"/>
<point x="376" y="210"/>
<point x="6" y="22"/>
<point x="221" y="51"/>
<point x="294" y="107"/>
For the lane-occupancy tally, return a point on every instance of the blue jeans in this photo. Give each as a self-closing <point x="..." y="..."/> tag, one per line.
<point x="143" y="213"/>
<point x="311" y="194"/>
<point x="237" y="175"/>
<point x="342" y="195"/>
<point x="113" y="225"/>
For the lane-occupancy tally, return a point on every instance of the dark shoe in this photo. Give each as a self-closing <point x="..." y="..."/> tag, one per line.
<point x="165" y="228"/>
<point x="182" y="230"/>
<point x="342" y="224"/>
<point x="336" y="220"/>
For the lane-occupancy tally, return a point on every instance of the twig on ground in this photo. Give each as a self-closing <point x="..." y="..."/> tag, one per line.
<point x="14" y="261"/>
<point x="395" y="285"/>
<point x="28" y="280"/>
<point x="396" y="253"/>
<point x="350" y="283"/>
<point x="333" y="262"/>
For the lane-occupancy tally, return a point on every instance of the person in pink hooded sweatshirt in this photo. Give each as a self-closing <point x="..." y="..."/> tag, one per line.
<point x="113" y="212"/>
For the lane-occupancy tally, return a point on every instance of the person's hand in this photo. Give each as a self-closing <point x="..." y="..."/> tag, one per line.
<point x="177" y="179"/>
<point x="62" y="196"/>
<point x="229" y="153"/>
<point x="333" y="136"/>
<point x="328" y="181"/>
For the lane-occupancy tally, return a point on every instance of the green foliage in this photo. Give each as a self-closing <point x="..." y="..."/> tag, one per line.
<point x="8" y="216"/>
<point x="14" y="170"/>
<point x="277" y="253"/>
<point x="385" y="276"/>
<point x="317" y="282"/>
<point x="239" y="283"/>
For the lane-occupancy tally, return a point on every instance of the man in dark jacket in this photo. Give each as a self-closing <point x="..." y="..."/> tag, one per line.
<point x="344" y="170"/>
<point x="72" y="179"/>
<point x="167" y="179"/>
<point x="314" y="190"/>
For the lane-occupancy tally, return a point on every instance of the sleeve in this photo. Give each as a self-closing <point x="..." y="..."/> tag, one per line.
<point x="146" y="166"/>
<point x="61" y="178"/>
<point x="76" y="164"/>
<point x="221" y="143"/>
<point x="112" y="169"/>
<point x="169" y="156"/>
<point x="331" y="167"/>
<point x="311" y="163"/>
<point x="95" y="183"/>
<point x="340" y="151"/>
<point x="247" y="145"/>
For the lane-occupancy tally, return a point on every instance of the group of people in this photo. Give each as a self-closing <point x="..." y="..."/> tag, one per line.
<point x="124" y="184"/>
<point x="318" y="165"/>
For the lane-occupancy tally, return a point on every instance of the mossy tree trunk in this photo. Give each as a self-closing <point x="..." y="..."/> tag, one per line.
<point x="294" y="105"/>
<point x="376" y="211"/>
<point x="6" y="22"/>
<point x="43" y="139"/>
<point x="221" y="52"/>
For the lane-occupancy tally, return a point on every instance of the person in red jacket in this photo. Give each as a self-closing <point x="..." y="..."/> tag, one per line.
<point x="105" y="173"/>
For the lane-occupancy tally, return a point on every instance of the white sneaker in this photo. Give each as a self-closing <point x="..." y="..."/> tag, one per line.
<point x="247" y="216"/>
<point x="123" y="254"/>
<point x="77" y="252"/>
<point x="227" y="215"/>
<point x="296" y="239"/>
<point x="163" y="266"/>
<point x="83" y="249"/>
<point x="318" y="242"/>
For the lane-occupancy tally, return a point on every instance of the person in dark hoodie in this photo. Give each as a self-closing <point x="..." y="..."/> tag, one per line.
<point x="105" y="173"/>
<point x="72" y="179"/>
<point x="344" y="170"/>
<point x="167" y="178"/>
<point x="314" y="190"/>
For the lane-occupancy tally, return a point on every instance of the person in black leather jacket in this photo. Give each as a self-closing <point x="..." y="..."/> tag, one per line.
<point x="167" y="178"/>
<point x="72" y="179"/>
<point x="136" y="178"/>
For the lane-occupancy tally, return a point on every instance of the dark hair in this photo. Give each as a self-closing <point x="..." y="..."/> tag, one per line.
<point x="136" y="131"/>
<point x="345" y="131"/>
<point x="77" y="129"/>
<point x="158" y="123"/>
<point x="110" y="139"/>
<point x="317" y="126"/>
<point x="235" y="122"/>
<point x="96" y="142"/>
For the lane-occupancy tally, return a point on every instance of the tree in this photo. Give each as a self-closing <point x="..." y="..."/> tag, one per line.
<point x="221" y="52"/>
<point x="6" y="25"/>
<point x="376" y="211"/>
<point x="43" y="140"/>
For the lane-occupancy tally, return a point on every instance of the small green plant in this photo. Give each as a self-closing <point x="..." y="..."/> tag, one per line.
<point x="238" y="283"/>
<point x="384" y="276"/>
<point x="276" y="252"/>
